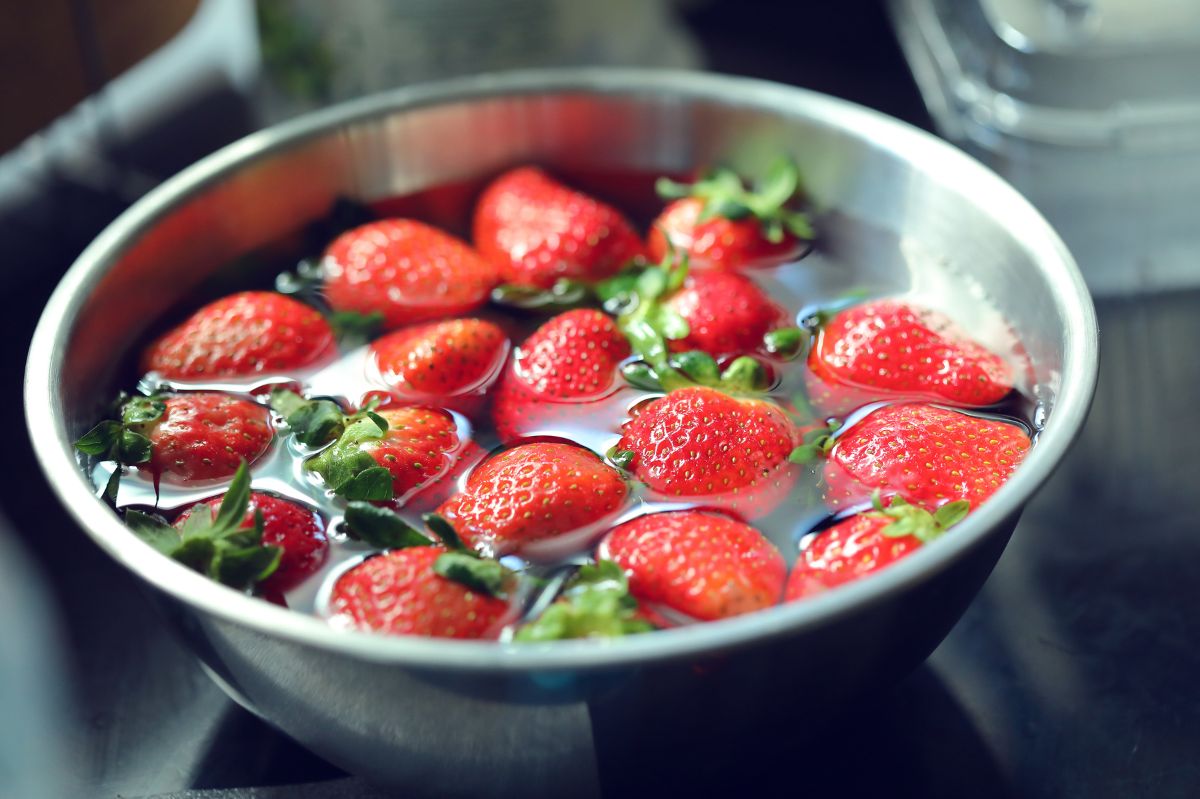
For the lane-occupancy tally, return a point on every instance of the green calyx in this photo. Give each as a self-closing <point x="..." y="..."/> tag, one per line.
<point x="315" y="422"/>
<point x="381" y="528"/>
<point x="563" y="295"/>
<point x="816" y="443"/>
<point x="595" y="604"/>
<point x="218" y="546"/>
<point x="346" y="466"/>
<point x="910" y="520"/>
<point x="354" y="329"/>
<point x="724" y="195"/>
<point x="788" y="343"/>
<point x="123" y="440"/>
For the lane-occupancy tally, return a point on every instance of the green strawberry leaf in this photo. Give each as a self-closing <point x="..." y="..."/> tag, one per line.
<point x="745" y="374"/>
<point x="480" y="575"/>
<point x="951" y="513"/>
<point x="233" y="504"/>
<point x="142" y="410"/>
<point x="805" y="453"/>
<point x="314" y="423"/>
<point x="699" y="366"/>
<point x="133" y="448"/>
<point x="112" y="487"/>
<point x="622" y="458"/>
<point x="373" y="483"/>
<point x="153" y="530"/>
<point x="197" y="553"/>
<point x="242" y="567"/>
<point x="347" y="468"/>
<point x="354" y="329"/>
<point x="381" y="528"/>
<point x="102" y="440"/>
<point x="639" y="375"/>
<point x="596" y="603"/>
<point x="439" y="526"/>
<point x="787" y="342"/>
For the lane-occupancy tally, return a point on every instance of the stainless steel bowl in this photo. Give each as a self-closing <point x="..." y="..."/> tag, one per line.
<point x="477" y="718"/>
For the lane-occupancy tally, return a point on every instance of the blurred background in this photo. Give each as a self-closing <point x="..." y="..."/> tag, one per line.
<point x="1074" y="674"/>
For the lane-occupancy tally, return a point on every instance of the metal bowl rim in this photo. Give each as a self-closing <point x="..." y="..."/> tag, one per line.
<point x="938" y="160"/>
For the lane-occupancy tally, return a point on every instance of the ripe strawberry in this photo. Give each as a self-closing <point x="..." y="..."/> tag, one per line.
<point x="441" y="360"/>
<point x="705" y="446"/>
<point x="248" y="333"/>
<point x="926" y="454"/>
<point x="407" y="271"/>
<point x="297" y="530"/>
<point x="400" y="593"/>
<point x="568" y="362"/>
<point x="867" y="542"/>
<point x="725" y="312"/>
<point x="701" y="564"/>
<point x="890" y="348"/>
<point x="537" y="231"/>
<point x="721" y="225"/>
<point x="531" y="492"/>
<point x="205" y="436"/>
<point x="415" y="448"/>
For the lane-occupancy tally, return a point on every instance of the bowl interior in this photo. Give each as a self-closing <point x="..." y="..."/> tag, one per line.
<point x="908" y="211"/>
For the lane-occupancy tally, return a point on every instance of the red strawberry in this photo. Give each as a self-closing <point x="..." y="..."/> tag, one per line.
<point x="441" y="360"/>
<point x="865" y="543"/>
<point x="294" y="528"/>
<point x="204" y="436"/>
<point x="705" y="446"/>
<point x="244" y="334"/>
<point x="406" y="270"/>
<point x="532" y="492"/>
<point x="726" y="313"/>
<point x="420" y="447"/>
<point x="536" y="231"/>
<point x="721" y="225"/>
<point x="568" y="362"/>
<point x="399" y="593"/>
<point x="890" y="348"/>
<point x="701" y="564"/>
<point x="926" y="454"/>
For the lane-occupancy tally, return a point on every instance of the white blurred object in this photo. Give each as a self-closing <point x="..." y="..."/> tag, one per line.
<point x="374" y="45"/>
<point x="1089" y="107"/>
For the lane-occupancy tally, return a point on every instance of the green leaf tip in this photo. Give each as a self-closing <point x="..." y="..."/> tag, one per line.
<point x="481" y="575"/>
<point x="381" y="527"/>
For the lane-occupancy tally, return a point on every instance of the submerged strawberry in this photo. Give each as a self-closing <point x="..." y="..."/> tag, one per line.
<point x="441" y="360"/>
<point x="244" y="334"/>
<point x="866" y="543"/>
<point x="405" y="270"/>
<point x="538" y="231"/>
<point x="404" y="592"/>
<point x="721" y="225"/>
<point x="890" y="348"/>
<point x="705" y="446"/>
<point x="704" y="565"/>
<point x="569" y="361"/>
<point x="725" y="313"/>
<point x="295" y="529"/>
<point x="925" y="454"/>
<point x="532" y="492"/>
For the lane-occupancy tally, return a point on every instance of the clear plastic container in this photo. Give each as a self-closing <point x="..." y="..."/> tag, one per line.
<point x="1089" y="107"/>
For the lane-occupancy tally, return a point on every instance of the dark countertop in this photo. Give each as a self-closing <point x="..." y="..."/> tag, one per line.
<point x="1074" y="674"/>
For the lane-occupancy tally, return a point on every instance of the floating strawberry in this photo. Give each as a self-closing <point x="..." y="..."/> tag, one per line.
<point x="721" y="225"/>
<point x="221" y="544"/>
<point x="894" y="349"/>
<point x="595" y="603"/>
<point x="867" y="542"/>
<point x="450" y="363"/>
<point x="925" y="454"/>
<point x="244" y="334"/>
<point x="419" y="590"/>
<point x="538" y="231"/>
<point x="726" y="313"/>
<point x="702" y="445"/>
<point x="298" y="531"/>
<point x="405" y="270"/>
<point x="704" y="565"/>
<point x="569" y="361"/>
<point x="531" y="492"/>
<point x="389" y="455"/>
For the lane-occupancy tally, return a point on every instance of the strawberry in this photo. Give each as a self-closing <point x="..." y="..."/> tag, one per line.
<point x="701" y="564"/>
<point x="867" y="542"/>
<point x="441" y="360"/>
<point x="405" y="270"/>
<point x="893" y="349"/>
<point x="389" y="455"/>
<point x="725" y="313"/>
<point x="532" y="492"/>
<point x="702" y="445"/>
<point x="569" y="361"/>
<point x="403" y="592"/>
<point x="721" y="225"/>
<point x="926" y="454"/>
<point x="294" y="528"/>
<point x="244" y="334"/>
<point x="537" y="231"/>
